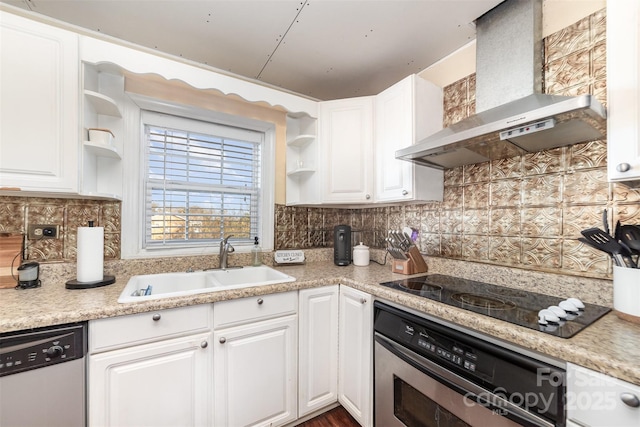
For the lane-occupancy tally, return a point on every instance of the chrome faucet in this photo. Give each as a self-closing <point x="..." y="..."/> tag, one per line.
<point x="225" y="250"/>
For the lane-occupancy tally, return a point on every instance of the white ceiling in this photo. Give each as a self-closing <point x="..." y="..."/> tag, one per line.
<point x="324" y="49"/>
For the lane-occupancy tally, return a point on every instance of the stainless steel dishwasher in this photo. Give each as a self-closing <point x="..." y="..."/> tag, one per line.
<point x="42" y="377"/>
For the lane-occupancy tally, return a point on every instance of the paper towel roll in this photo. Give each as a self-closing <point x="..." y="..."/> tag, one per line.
<point x="90" y="254"/>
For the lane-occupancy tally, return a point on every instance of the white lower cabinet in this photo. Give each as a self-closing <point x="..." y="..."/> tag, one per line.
<point x="165" y="381"/>
<point x="598" y="400"/>
<point x="355" y="374"/>
<point x="160" y="384"/>
<point x="269" y="360"/>
<point x="318" y="349"/>
<point x="255" y="363"/>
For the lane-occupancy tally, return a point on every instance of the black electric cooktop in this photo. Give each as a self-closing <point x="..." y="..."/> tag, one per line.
<point x="516" y="306"/>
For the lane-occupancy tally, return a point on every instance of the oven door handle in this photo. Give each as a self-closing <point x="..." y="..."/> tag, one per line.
<point x="465" y="387"/>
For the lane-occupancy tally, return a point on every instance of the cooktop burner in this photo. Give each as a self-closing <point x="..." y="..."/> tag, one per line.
<point x="481" y="301"/>
<point x="516" y="306"/>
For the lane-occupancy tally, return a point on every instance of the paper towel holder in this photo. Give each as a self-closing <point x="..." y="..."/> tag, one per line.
<point x="76" y="284"/>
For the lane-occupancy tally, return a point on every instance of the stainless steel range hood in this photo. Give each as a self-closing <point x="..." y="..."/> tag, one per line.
<point x="514" y="118"/>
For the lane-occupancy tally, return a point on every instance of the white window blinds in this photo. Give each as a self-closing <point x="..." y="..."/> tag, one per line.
<point x="202" y="182"/>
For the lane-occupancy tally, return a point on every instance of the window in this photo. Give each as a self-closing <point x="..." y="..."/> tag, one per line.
<point x="202" y="182"/>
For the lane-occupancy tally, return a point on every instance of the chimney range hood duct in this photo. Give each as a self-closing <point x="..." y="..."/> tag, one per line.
<point x="514" y="117"/>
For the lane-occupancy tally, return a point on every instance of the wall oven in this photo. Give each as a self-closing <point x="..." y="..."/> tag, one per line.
<point x="428" y="374"/>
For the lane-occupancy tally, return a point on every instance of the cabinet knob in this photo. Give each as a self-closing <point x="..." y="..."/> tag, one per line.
<point x="363" y="300"/>
<point x="630" y="399"/>
<point x="204" y="344"/>
<point x="405" y="192"/>
<point x="623" y="167"/>
<point x="260" y="301"/>
<point x="222" y="340"/>
<point x="368" y="196"/>
<point x="156" y="317"/>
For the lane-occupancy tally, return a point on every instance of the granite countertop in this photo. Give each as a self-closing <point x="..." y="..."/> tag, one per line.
<point x="610" y="345"/>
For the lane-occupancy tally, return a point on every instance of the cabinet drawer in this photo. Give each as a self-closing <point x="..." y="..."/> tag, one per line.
<point x="126" y="331"/>
<point x="598" y="400"/>
<point x="251" y="309"/>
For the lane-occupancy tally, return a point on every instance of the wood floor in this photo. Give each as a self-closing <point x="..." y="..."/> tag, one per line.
<point x="336" y="417"/>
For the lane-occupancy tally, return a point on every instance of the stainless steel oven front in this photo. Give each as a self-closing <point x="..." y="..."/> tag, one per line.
<point x="429" y="374"/>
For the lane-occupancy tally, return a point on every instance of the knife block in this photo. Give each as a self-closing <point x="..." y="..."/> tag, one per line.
<point x="402" y="266"/>
<point x="413" y="265"/>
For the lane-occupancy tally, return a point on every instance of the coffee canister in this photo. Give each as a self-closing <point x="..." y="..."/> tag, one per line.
<point x="361" y="255"/>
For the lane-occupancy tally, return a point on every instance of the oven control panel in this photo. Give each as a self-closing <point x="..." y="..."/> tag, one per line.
<point x="430" y="343"/>
<point x="26" y="351"/>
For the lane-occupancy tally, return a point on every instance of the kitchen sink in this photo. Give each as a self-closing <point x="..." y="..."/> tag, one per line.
<point x="166" y="285"/>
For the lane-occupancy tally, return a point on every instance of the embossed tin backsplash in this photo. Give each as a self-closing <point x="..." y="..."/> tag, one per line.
<point x="17" y="212"/>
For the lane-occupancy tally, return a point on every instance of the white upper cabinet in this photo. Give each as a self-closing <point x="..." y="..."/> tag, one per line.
<point x="358" y="138"/>
<point x="346" y="137"/>
<point x="405" y="113"/>
<point x="39" y="107"/>
<point x="623" y="89"/>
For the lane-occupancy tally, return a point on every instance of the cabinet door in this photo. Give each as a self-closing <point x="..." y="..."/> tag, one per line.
<point x="598" y="400"/>
<point x="355" y="367"/>
<point x="406" y="112"/>
<point x="346" y="141"/>
<point x="38" y="107"/>
<point x="318" y="349"/>
<point x="623" y="89"/>
<point x="168" y="383"/>
<point x="255" y="371"/>
<point x="394" y="130"/>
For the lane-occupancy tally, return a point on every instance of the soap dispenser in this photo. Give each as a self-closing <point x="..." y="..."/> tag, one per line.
<point x="256" y="253"/>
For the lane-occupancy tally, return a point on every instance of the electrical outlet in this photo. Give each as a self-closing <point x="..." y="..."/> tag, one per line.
<point x="43" y="231"/>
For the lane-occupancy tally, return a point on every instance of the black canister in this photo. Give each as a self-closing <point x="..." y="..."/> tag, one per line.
<point x="342" y="245"/>
<point x="29" y="275"/>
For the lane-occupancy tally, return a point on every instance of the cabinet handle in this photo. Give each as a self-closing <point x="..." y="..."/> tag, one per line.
<point x="222" y="340"/>
<point x="623" y="167"/>
<point x="260" y="301"/>
<point x="630" y="399"/>
<point x="405" y="192"/>
<point x="156" y="317"/>
<point x="368" y="196"/>
<point x="204" y="344"/>
<point x="363" y="300"/>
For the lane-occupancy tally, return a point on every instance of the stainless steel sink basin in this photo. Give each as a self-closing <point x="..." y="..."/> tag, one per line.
<point x="166" y="285"/>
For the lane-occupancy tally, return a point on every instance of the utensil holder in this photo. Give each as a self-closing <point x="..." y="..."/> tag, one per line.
<point x="626" y="293"/>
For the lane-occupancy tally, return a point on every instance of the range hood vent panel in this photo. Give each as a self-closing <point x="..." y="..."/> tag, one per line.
<point x="476" y="139"/>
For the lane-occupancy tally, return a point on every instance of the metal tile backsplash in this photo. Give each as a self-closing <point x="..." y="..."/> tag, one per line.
<point x="524" y="212"/>
<point x="16" y="213"/>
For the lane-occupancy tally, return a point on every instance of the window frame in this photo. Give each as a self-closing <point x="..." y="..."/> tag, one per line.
<point x="134" y="203"/>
